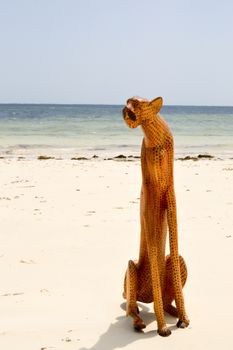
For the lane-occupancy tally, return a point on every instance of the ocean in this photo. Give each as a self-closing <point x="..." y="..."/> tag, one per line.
<point x="87" y="130"/>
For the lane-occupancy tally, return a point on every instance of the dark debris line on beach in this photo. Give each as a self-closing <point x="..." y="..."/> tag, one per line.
<point x="45" y="157"/>
<point x="195" y="158"/>
<point x="130" y="158"/>
<point x="122" y="157"/>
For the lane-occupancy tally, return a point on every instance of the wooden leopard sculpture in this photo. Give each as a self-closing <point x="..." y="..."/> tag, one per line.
<point x="155" y="277"/>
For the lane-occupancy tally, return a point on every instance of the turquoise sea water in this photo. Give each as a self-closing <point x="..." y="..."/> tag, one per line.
<point x="85" y="130"/>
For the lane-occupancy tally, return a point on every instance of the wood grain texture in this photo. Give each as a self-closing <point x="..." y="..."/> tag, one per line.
<point x="155" y="277"/>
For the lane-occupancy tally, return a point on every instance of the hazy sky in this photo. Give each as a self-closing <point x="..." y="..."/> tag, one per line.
<point x="104" y="51"/>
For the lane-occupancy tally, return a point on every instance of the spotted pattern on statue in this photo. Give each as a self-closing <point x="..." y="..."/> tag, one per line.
<point x="155" y="277"/>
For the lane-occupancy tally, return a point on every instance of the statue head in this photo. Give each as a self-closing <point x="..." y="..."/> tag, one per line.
<point x="139" y="110"/>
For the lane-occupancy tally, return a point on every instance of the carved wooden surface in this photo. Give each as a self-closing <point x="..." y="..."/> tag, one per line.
<point x="155" y="277"/>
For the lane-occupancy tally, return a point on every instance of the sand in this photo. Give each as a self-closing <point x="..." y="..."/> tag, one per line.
<point x="68" y="228"/>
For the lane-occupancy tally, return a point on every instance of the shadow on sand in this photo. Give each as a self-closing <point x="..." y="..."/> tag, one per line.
<point x="121" y="333"/>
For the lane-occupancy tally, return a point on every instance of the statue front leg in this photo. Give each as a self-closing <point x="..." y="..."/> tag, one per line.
<point x="163" y="330"/>
<point x="130" y="294"/>
<point x="150" y="217"/>
<point x="168" y="290"/>
<point x="175" y="260"/>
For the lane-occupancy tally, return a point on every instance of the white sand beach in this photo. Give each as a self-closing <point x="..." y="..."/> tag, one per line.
<point x="68" y="229"/>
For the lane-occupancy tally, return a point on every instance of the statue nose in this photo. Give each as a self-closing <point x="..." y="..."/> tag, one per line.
<point x="132" y="116"/>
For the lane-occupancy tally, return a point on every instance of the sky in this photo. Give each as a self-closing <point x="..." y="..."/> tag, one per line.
<point x="105" y="51"/>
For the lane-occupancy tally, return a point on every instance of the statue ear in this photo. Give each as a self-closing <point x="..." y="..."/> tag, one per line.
<point x="157" y="104"/>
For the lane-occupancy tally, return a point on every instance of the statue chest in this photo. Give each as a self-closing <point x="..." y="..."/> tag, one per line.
<point x="156" y="169"/>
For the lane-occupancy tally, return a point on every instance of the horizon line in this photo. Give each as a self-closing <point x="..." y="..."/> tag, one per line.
<point x="102" y="104"/>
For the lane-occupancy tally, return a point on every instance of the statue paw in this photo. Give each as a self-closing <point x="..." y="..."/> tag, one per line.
<point x="139" y="325"/>
<point x="164" y="332"/>
<point x="183" y="323"/>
